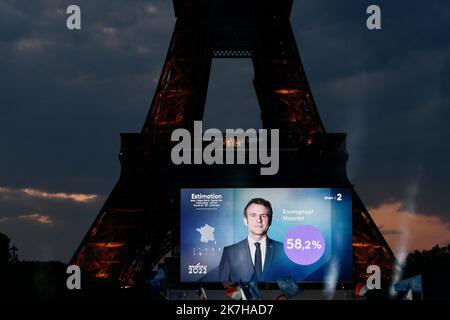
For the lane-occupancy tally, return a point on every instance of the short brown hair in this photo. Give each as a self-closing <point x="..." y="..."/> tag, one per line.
<point x="262" y="202"/>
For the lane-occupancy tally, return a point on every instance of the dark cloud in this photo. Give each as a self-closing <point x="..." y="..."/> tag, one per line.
<point x="65" y="97"/>
<point x="387" y="89"/>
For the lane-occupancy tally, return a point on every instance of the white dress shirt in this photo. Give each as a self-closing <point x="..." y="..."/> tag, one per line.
<point x="251" y="244"/>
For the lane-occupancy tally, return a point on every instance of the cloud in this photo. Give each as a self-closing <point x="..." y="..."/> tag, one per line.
<point x="152" y="9"/>
<point x="75" y="92"/>
<point x="32" y="44"/>
<point x="45" y="225"/>
<point x="387" y="90"/>
<point x="43" y="219"/>
<point x="77" y="197"/>
<point x="407" y="231"/>
<point x="60" y="195"/>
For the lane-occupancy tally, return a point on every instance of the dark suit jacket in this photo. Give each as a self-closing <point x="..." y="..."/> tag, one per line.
<point x="236" y="263"/>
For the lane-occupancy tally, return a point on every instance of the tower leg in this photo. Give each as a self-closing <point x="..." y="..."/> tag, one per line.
<point x="131" y="230"/>
<point x="181" y="93"/>
<point x="282" y="88"/>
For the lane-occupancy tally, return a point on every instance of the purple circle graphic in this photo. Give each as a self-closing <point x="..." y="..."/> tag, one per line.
<point x="304" y="244"/>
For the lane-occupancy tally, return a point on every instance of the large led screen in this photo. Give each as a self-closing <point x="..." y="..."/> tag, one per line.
<point x="228" y="235"/>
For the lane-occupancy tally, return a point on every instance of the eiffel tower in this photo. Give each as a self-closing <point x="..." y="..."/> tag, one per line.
<point x="139" y="222"/>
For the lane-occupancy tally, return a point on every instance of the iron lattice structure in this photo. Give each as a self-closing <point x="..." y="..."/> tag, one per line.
<point x="139" y="223"/>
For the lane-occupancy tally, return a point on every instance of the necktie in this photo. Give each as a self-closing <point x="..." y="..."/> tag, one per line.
<point x="258" y="260"/>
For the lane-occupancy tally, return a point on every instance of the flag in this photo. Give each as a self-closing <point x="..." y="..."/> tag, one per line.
<point x="288" y="286"/>
<point x="202" y="294"/>
<point x="360" y="289"/>
<point x="234" y="292"/>
<point x="409" y="295"/>
<point x="155" y="282"/>
<point x="249" y="290"/>
<point x="414" y="283"/>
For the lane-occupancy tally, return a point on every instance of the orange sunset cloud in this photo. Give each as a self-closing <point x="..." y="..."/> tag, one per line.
<point x="408" y="231"/>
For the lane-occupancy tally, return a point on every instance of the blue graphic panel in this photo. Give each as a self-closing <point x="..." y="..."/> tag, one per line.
<point x="309" y="237"/>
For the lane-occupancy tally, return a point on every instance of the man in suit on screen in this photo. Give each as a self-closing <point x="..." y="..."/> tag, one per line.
<point x="257" y="254"/>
